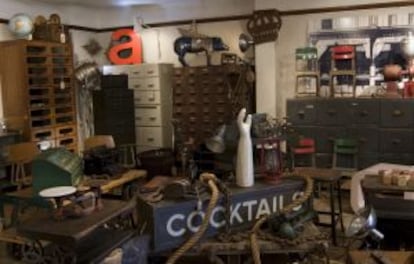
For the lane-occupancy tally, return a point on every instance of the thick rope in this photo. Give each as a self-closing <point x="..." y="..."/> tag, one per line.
<point x="210" y="179"/>
<point x="253" y="235"/>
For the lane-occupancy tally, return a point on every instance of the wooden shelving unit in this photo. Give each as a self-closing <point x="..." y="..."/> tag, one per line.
<point x="38" y="91"/>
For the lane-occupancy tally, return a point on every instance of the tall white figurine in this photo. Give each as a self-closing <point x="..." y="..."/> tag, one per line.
<point x="244" y="165"/>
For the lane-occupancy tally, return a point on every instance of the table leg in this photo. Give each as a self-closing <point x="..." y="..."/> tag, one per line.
<point x="333" y="222"/>
<point x="340" y="205"/>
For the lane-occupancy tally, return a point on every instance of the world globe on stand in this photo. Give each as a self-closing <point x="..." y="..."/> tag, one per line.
<point x="21" y="25"/>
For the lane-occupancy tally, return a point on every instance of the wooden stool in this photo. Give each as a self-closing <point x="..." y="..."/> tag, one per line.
<point x="333" y="179"/>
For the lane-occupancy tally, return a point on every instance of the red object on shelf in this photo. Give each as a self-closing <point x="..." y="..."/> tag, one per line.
<point x="343" y="52"/>
<point x="409" y="89"/>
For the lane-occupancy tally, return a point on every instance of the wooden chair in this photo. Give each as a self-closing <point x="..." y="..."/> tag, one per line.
<point x="20" y="155"/>
<point x="99" y="140"/>
<point x="127" y="154"/>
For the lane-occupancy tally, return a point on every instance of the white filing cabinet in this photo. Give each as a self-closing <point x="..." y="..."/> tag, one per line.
<point x="152" y="85"/>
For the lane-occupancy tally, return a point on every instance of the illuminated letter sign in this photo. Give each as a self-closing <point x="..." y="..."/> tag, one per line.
<point x="132" y="47"/>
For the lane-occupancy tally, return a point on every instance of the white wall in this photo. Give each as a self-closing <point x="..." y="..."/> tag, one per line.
<point x="293" y="34"/>
<point x="68" y="14"/>
<point x="123" y="16"/>
<point x="286" y="5"/>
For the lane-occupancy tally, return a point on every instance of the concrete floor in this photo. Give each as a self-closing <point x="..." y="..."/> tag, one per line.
<point x="321" y="203"/>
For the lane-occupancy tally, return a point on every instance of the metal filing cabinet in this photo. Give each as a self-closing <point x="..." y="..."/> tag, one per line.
<point x="383" y="127"/>
<point x="152" y="93"/>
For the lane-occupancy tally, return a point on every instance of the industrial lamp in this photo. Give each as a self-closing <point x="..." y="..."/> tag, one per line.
<point x="363" y="224"/>
<point x="216" y="143"/>
<point x="245" y="42"/>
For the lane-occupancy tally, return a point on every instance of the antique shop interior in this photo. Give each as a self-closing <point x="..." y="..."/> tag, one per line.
<point x="195" y="131"/>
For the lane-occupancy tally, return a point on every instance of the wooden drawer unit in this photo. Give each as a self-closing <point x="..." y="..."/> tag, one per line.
<point x="149" y="136"/>
<point x="65" y="131"/>
<point x="148" y="70"/>
<point x="363" y="111"/>
<point x="383" y="127"/>
<point x="148" y="116"/>
<point x="396" y="140"/>
<point x="397" y="113"/>
<point x="204" y="98"/>
<point x="147" y="97"/>
<point x="150" y="83"/>
<point x="302" y="112"/>
<point x="368" y="138"/>
<point x="37" y="84"/>
<point x="42" y="134"/>
<point x="332" y="112"/>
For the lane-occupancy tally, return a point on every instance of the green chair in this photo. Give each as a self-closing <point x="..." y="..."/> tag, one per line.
<point x="345" y="149"/>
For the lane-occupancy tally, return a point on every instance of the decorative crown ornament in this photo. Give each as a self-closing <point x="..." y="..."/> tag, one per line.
<point x="264" y="25"/>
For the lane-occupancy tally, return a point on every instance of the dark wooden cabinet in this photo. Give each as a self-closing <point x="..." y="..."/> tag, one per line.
<point x="113" y="108"/>
<point x="206" y="97"/>
<point x="384" y="128"/>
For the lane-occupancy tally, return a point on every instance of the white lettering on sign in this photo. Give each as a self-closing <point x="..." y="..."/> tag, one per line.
<point x="190" y="220"/>
<point x="246" y="211"/>
<point x="213" y="217"/>
<point x="235" y="213"/>
<point x="263" y="208"/>
<point x="249" y="205"/>
<point x="170" y="230"/>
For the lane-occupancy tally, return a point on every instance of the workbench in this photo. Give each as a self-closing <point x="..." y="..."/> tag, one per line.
<point x="26" y="198"/>
<point x="86" y="239"/>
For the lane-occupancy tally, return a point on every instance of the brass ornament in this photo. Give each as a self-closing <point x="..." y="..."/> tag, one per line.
<point x="264" y="25"/>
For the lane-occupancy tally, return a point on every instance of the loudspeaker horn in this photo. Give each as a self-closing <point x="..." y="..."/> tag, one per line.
<point x="245" y="42"/>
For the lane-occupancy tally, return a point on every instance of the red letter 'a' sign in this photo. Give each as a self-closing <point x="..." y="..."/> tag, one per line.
<point x="133" y="45"/>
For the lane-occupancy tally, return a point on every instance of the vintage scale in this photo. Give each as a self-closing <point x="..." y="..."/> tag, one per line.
<point x="70" y="201"/>
<point x="57" y="177"/>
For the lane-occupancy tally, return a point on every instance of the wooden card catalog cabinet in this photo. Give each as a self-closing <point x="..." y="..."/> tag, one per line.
<point x="38" y="93"/>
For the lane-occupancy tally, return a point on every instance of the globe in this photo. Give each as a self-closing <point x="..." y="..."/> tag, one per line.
<point x="21" y="25"/>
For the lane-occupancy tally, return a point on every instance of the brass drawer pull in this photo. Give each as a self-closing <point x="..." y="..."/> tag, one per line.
<point x="397" y="113"/>
<point x="363" y="113"/>
<point x="396" y="141"/>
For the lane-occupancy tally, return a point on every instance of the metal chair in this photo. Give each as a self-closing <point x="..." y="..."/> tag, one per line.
<point x="341" y="55"/>
<point x="304" y="148"/>
<point x="345" y="159"/>
<point x="347" y="149"/>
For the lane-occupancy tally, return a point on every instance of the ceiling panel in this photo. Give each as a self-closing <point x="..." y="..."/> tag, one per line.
<point x="113" y="3"/>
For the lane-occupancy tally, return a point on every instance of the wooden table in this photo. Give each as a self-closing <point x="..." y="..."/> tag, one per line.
<point x="85" y="237"/>
<point x="23" y="197"/>
<point x="395" y="257"/>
